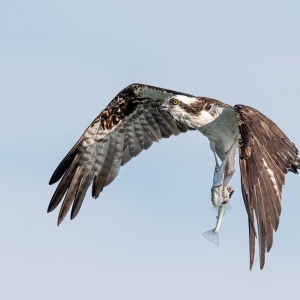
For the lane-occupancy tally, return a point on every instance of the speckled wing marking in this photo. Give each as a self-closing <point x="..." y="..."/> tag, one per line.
<point x="129" y="124"/>
<point x="266" y="155"/>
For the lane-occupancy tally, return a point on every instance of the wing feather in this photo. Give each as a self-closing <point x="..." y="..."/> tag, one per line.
<point x="117" y="160"/>
<point x="266" y="155"/>
<point x="139" y="133"/>
<point x="145" y="134"/>
<point x="70" y="196"/>
<point x="126" y="156"/>
<point x="106" y="167"/>
<point x="65" y="164"/>
<point x="148" y="130"/>
<point x="82" y="189"/>
<point x="153" y="125"/>
<point x="165" y="131"/>
<point x="63" y="185"/>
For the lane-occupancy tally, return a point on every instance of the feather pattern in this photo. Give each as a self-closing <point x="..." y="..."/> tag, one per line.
<point x="129" y="124"/>
<point x="266" y="155"/>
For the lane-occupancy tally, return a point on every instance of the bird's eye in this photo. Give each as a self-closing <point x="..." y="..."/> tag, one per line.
<point x="175" y="101"/>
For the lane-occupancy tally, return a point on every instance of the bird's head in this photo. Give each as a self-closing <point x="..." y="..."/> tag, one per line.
<point x="182" y="108"/>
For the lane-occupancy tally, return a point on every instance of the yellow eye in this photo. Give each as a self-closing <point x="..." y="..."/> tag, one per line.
<point x="175" y="101"/>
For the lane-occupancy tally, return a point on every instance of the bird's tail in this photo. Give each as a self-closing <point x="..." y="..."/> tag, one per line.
<point x="295" y="166"/>
<point x="212" y="236"/>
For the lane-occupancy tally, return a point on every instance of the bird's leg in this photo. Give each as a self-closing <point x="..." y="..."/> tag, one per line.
<point x="228" y="190"/>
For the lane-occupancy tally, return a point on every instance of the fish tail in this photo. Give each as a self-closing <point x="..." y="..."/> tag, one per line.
<point x="212" y="236"/>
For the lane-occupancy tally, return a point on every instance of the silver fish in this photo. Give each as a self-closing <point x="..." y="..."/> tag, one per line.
<point x="217" y="198"/>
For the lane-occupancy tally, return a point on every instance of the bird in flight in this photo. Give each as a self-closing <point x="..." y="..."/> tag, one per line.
<point x="141" y="114"/>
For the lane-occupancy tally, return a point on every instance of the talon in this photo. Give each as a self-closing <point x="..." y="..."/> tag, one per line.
<point x="230" y="190"/>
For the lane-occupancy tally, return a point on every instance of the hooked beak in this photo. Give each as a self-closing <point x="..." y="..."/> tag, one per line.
<point x="163" y="106"/>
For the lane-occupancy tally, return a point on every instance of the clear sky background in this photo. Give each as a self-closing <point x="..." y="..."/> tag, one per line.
<point x="61" y="62"/>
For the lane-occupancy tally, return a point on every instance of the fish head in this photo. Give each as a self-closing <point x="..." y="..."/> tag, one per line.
<point x="219" y="172"/>
<point x="217" y="188"/>
<point x="218" y="177"/>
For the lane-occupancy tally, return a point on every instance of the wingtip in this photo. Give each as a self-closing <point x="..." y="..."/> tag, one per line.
<point x="59" y="220"/>
<point x="58" y="173"/>
<point x="49" y="209"/>
<point x="51" y="181"/>
<point x="73" y="214"/>
<point x="251" y="263"/>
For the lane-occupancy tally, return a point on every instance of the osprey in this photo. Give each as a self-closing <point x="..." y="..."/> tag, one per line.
<point x="140" y="115"/>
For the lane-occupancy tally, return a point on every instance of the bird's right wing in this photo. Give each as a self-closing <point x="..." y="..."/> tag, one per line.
<point x="129" y="124"/>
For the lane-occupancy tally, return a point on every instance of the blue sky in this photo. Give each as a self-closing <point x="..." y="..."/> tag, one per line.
<point x="61" y="62"/>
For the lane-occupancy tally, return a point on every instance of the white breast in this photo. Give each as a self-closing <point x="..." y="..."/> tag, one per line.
<point x="219" y="124"/>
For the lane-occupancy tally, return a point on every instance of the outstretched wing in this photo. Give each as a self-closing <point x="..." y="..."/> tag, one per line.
<point x="129" y="124"/>
<point x="266" y="155"/>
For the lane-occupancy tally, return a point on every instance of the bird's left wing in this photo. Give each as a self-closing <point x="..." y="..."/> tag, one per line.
<point x="266" y="155"/>
<point x="129" y="124"/>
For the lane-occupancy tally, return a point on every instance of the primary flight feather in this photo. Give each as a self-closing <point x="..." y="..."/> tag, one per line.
<point x="140" y="115"/>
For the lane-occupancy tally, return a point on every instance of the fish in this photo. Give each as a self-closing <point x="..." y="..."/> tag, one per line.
<point x="217" y="198"/>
